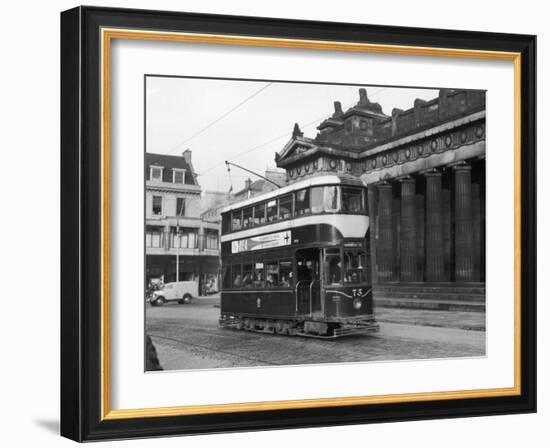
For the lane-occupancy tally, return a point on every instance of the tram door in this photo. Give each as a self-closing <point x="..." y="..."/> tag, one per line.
<point x="308" y="281"/>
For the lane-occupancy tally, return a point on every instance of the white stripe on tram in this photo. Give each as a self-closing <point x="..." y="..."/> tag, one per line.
<point x="350" y="226"/>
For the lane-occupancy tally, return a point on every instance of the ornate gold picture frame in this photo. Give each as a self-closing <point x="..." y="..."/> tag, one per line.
<point x="87" y="36"/>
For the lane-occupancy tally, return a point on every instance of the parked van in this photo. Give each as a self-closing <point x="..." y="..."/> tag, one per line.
<point x="181" y="292"/>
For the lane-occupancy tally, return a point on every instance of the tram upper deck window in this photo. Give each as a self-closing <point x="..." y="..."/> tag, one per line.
<point x="285" y="206"/>
<point x="316" y="199"/>
<point x="236" y="220"/>
<point x="259" y="213"/>
<point x="247" y="217"/>
<point x="272" y="214"/>
<point x="331" y="199"/>
<point x="355" y="266"/>
<point x="301" y="205"/>
<point x="353" y="199"/>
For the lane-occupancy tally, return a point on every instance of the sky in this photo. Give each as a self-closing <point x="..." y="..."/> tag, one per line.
<point x="246" y="122"/>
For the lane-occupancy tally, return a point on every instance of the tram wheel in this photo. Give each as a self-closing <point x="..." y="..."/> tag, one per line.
<point x="281" y="328"/>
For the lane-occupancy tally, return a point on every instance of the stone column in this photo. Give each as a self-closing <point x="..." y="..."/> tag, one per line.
<point x="434" y="228"/>
<point x="476" y="234"/>
<point x="396" y="226"/>
<point x="373" y="225"/>
<point x="464" y="242"/>
<point x="447" y="236"/>
<point x="385" y="233"/>
<point x="408" y="230"/>
<point x="420" y="238"/>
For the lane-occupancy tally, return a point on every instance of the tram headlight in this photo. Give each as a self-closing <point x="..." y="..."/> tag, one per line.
<point x="357" y="303"/>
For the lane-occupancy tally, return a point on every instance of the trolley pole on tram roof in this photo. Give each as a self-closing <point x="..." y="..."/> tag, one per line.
<point x="251" y="172"/>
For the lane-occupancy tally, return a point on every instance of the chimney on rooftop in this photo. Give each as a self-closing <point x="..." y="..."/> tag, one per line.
<point x="337" y="109"/>
<point x="187" y="155"/>
<point x="248" y="183"/>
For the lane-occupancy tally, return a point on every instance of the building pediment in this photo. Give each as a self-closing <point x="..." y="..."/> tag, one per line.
<point x="296" y="145"/>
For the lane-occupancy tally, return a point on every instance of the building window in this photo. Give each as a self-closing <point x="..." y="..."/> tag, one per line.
<point x="157" y="205"/>
<point x="155" y="173"/>
<point x="153" y="237"/>
<point x="178" y="176"/>
<point x="212" y="239"/>
<point x="185" y="239"/>
<point x="180" y="206"/>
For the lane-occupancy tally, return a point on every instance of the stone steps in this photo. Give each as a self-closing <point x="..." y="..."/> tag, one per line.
<point x="455" y="296"/>
<point x="426" y="304"/>
<point x="435" y="296"/>
<point x="469" y="288"/>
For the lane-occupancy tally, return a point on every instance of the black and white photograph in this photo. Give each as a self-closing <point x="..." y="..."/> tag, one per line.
<point x="297" y="223"/>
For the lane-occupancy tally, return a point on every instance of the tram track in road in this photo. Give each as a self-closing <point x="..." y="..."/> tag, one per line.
<point x="215" y="350"/>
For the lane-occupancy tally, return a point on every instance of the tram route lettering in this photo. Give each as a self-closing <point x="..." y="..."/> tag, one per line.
<point x="262" y="242"/>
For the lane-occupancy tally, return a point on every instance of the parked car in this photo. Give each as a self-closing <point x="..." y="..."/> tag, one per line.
<point x="181" y="292"/>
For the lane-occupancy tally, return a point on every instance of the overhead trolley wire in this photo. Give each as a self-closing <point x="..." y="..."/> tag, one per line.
<point x="286" y="134"/>
<point x="221" y="117"/>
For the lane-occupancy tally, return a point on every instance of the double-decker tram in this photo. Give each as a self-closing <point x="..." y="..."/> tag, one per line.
<point x="295" y="261"/>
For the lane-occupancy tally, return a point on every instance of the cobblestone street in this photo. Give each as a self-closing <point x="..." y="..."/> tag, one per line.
<point x="188" y="337"/>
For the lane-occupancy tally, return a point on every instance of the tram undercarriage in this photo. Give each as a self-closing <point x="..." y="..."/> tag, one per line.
<point x="298" y="327"/>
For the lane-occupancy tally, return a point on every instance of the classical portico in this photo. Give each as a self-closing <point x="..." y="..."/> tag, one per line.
<point x="425" y="173"/>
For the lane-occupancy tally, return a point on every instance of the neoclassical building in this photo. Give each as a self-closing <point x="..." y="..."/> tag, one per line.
<point x="425" y="172"/>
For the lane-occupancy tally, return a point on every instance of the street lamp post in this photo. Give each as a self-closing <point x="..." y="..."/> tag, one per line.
<point x="178" y="250"/>
<point x="178" y="236"/>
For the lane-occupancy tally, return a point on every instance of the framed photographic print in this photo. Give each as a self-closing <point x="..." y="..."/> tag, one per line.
<point x="276" y="224"/>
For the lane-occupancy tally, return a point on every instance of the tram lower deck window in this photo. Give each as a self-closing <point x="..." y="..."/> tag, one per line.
<point x="355" y="266"/>
<point x="248" y="276"/>
<point x="333" y="266"/>
<point x="285" y="272"/>
<point x="237" y="276"/>
<point x="272" y="273"/>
